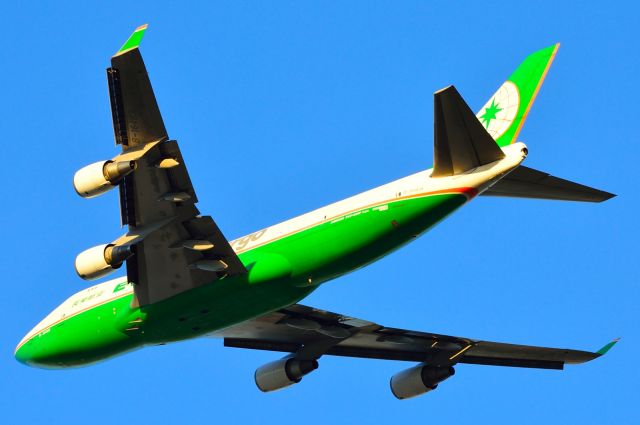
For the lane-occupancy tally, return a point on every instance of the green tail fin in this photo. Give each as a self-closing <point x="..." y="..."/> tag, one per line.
<point x="505" y="112"/>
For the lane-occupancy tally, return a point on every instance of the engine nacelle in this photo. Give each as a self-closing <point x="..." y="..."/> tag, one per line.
<point x="418" y="380"/>
<point x="101" y="260"/>
<point x="100" y="177"/>
<point x="283" y="373"/>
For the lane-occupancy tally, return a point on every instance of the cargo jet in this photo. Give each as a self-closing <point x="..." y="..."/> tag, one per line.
<point x="184" y="279"/>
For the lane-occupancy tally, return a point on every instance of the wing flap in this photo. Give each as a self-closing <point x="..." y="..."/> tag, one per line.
<point x="338" y="350"/>
<point x="204" y="228"/>
<point x="160" y="203"/>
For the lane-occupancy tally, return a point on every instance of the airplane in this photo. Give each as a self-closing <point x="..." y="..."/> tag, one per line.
<point x="184" y="279"/>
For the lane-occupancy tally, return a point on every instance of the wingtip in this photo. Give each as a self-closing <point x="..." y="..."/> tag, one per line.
<point x="134" y="40"/>
<point x="604" y="196"/>
<point x="607" y="347"/>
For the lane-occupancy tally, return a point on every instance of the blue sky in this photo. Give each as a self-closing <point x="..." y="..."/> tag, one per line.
<point x="282" y="107"/>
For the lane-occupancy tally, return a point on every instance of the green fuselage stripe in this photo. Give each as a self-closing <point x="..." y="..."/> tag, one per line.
<point x="281" y="272"/>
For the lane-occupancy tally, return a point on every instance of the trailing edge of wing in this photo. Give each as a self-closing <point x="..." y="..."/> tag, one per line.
<point x="525" y="182"/>
<point x="159" y="205"/>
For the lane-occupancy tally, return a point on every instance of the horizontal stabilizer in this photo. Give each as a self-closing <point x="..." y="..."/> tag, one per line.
<point x="461" y="143"/>
<point x="524" y="182"/>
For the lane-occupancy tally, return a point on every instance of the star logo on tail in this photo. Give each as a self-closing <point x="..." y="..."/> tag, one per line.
<point x="490" y="113"/>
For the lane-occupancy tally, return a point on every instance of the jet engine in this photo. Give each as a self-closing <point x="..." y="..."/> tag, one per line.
<point x="101" y="260"/>
<point x="418" y="380"/>
<point x="283" y="373"/>
<point x="100" y="177"/>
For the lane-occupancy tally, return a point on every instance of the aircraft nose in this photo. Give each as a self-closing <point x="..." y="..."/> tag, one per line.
<point x="30" y="352"/>
<point x="23" y="354"/>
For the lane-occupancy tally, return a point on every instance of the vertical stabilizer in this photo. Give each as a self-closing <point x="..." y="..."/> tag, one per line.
<point x="505" y="112"/>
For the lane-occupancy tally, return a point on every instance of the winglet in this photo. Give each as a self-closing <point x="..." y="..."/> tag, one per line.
<point x="607" y="347"/>
<point x="134" y="40"/>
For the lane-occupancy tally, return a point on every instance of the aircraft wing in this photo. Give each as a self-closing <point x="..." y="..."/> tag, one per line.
<point x="174" y="248"/>
<point x="310" y="333"/>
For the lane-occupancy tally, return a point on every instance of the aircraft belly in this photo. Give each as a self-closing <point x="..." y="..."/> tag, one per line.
<point x="300" y="262"/>
<point x="286" y="271"/>
<point x="340" y="246"/>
